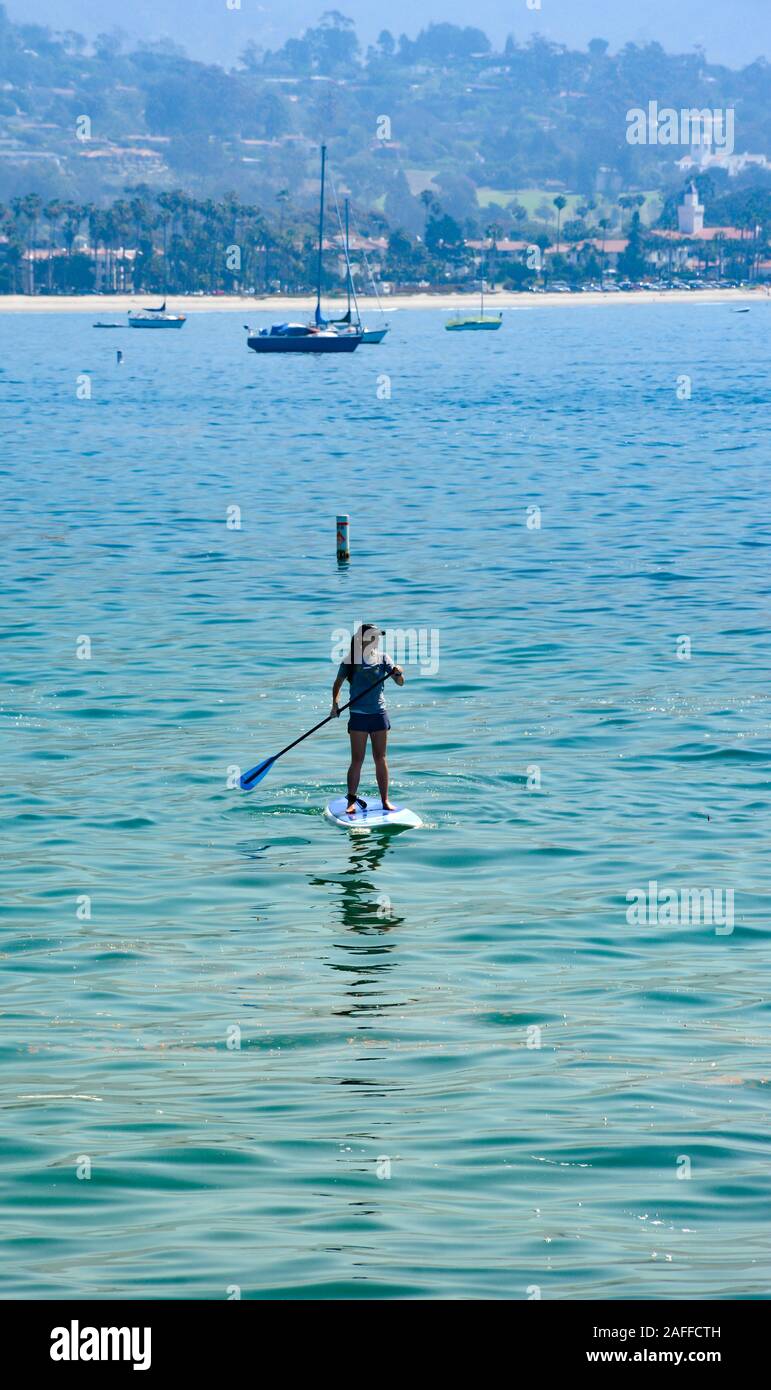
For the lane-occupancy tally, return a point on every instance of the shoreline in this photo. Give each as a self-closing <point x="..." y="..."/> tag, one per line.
<point x="304" y="304"/>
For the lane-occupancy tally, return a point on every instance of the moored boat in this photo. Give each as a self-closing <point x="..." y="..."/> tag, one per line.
<point x="301" y="337"/>
<point x="347" y="325"/>
<point x="155" y="318"/>
<point x="473" y="322"/>
<point x="374" y="335"/>
<point x="315" y="337"/>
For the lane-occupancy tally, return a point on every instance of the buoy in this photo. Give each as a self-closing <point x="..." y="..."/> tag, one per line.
<point x="343" y="546"/>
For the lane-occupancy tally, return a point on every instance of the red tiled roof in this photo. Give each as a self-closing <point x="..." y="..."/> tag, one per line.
<point x="502" y="245"/>
<point x="612" y="246"/>
<point x="707" y="234"/>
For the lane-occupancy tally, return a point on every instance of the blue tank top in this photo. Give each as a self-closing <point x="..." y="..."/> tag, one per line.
<point x="363" y="699"/>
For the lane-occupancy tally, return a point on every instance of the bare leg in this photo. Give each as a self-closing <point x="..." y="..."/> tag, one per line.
<point x="379" y="741"/>
<point x="358" y="749"/>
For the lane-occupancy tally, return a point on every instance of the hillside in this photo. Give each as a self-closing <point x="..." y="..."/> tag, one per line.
<point x="443" y="116"/>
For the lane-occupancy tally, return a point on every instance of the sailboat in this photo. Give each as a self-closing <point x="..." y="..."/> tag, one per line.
<point x="346" y="324"/>
<point x="318" y="336"/>
<point x="472" y="321"/>
<point x="155" y="318"/>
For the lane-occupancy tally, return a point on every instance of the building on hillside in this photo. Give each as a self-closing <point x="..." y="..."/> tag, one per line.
<point x="503" y="250"/>
<point x="373" y="248"/>
<point x="125" y="161"/>
<point x="683" y="251"/>
<point x="731" y="164"/>
<point x="607" y="251"/>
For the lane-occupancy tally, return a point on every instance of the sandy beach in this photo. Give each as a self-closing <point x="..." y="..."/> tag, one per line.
<point x="104" y="305"/>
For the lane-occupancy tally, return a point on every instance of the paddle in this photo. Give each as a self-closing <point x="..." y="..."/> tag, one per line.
<point x="250" y="779"/>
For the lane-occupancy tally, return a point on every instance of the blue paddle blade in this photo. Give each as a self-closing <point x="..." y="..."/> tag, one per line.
<point x="255" y="775"/>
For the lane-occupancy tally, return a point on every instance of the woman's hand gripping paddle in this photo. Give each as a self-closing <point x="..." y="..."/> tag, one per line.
<point x="250" y="779"/>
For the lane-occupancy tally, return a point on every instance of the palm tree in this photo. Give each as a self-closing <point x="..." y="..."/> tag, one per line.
<point x="141" y="227"/>
<point x="430" y="204"/>
<point x="52" y="213"/>
<point x="209" y="225"/>
<point x="166" y="203"/>
<point x="560" y="204"/>
<point x="33" y="204"/>
<point x="123" y="222"/>
<point x="89" y="218"/>
<point x="26" y="211"/>
<point x="282" y="198"/>
<point x="9" y="228"/>
<point x="625" y="202"/>
<point x="604" y="224"/>
<point x="232" y="214"/>
<point x="72" y="216"/>
<point x="97" y="238"/>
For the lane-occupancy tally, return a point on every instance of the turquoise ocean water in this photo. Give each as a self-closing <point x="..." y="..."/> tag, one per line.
<point x="389" y="995"/>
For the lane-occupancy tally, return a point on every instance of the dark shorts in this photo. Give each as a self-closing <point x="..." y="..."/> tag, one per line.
<point x="368" y="723"/>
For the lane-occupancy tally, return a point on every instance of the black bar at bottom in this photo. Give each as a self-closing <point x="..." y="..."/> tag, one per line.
<point x="170" y="1338"/>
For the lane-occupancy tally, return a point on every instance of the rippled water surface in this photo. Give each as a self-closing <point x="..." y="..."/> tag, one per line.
<point x="391" y="994"/>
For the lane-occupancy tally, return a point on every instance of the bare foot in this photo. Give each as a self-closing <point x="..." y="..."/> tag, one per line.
<point x="351" y="809"/>
<point x="388" y="807"/>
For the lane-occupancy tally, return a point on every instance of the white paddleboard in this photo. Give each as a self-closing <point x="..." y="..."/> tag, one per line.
<point x="374" y="818"/>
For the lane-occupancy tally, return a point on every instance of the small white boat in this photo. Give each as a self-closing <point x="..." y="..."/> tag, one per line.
<point x="155" y="318"/>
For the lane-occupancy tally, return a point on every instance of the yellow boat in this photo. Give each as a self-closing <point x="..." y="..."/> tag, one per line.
<point x="469" y="321"/>
<point x="475" y="321"/>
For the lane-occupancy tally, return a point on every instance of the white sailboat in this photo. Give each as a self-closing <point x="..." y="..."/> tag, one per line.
<point x="155" y="318"/>
<point x="347" y="324"/>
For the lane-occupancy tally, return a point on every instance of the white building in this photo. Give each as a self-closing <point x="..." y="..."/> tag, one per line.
<point x="731" y="164"/>
<point x="690" y="214"/>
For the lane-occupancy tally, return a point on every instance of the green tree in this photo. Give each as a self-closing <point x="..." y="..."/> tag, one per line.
<point x="560" y="204"/>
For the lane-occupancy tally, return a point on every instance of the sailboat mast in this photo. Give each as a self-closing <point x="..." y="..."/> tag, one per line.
<point x="348" y="257"/>
<point x="321" y="233"/>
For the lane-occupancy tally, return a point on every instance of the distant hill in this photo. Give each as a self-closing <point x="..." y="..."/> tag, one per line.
<point x="443" y="117"/>
<point x="734" y="34"/>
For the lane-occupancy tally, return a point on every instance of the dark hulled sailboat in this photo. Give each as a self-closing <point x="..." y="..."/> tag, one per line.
<point x="307" y="337"/>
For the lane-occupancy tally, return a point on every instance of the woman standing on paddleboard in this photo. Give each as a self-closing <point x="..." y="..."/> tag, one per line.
<point x="368" y="718"/>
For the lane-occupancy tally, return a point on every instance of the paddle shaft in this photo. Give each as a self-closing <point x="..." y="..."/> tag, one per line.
<point x="322" y="722"/>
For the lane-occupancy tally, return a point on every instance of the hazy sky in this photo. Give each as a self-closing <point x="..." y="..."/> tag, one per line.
<point x="732" y="31"/>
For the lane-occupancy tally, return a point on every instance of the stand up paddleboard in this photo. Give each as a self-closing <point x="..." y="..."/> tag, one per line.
<point x="371" y="818"/>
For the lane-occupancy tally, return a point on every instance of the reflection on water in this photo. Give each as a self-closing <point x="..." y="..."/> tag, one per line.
<point x="367" y="912"/>
<point x="363" y="907"/>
